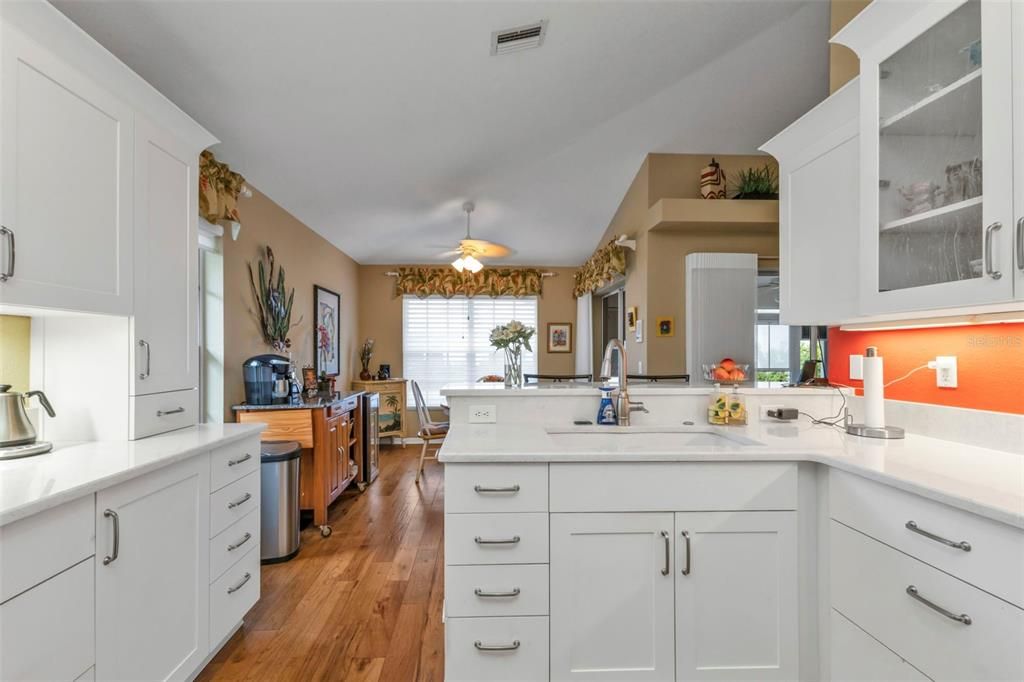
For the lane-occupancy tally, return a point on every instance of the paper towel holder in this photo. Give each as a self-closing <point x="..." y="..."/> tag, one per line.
<point x="865" y="431"/>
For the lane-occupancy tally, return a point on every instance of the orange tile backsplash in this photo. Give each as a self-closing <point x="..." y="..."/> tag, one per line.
<point x="990" y="363"/>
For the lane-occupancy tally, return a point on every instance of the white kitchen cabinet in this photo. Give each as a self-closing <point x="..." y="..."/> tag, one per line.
<point x="66" y="182"/>
<point x="819" y="212"/>
<point x="612" y="597"/>
<point x="859" y="657"/>
<point x="164" y="341"/>
<point x="736" y="596"/>
<point x="936" y="154"/>
<point x="1018" y="147"/>
<point x="152" y="574"/>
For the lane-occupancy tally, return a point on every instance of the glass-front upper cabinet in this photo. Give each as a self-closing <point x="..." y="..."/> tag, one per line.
<point x="936" y="125"/>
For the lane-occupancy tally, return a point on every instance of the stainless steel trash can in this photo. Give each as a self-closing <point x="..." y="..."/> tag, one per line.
<point x="279" y="503"/>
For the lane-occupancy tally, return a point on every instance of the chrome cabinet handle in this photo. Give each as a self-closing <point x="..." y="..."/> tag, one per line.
<point x="666" y="569"/>
<point x="989" y="270"/>
<point x="237" y="586"/>
<point x="514" y="540"/>
<point x="111" y="514"/>
<point x="1020" y="243"/>
<point x="8" y="272"/>
<point x="686" y="539"/>
<point x="507" y="489"/>
<point x="144" y="344"/>
<point x="480" y="646"/>
<point x="480" y="593"/>
<point x="245" y="538"/>
<point x="963" y="544"/>
<point x="960" y="618"/>
<point x="234" y="462"/>
<point x="164" y="413"/>
<point x="241" y="500"/>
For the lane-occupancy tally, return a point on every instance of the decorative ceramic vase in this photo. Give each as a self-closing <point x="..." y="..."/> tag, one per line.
<point x="712" y="181"/>
<point x="513" y="368"/>
<point x="365" y="374"/>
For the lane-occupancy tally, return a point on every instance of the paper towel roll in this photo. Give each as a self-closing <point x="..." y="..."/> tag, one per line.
<point x="874" y="390"/>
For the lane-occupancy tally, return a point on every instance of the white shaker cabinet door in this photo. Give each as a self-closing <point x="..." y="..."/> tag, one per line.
<point x="66" y="162"/>
<point x="736" y="596"/>
<point x="611" y="597"/>
<point x="165" y="348"/>
<point x="1018" y="148"/>
<point x="152" y="574"/>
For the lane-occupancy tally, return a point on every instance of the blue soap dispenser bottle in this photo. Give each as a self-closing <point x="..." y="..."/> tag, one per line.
<point x="606" y="412"/>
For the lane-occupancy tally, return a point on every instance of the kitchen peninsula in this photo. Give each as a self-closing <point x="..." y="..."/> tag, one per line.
<point x="737" y="549"/>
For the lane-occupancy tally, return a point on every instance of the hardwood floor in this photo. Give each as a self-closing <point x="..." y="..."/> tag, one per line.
<point x="362" y="604"/>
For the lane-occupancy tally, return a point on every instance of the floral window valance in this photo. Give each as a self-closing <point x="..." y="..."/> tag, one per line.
<point x="218" y="189"/>
<point x="447" y="282"/>
<point x="607" y="263"/>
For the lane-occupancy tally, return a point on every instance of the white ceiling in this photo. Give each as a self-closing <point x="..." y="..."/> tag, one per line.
<point x="373" y="121"/>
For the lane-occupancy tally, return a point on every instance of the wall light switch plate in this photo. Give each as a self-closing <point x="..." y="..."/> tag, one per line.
<point x="945" y="371"/>
<point x="483" y="414"/>
<point x="639" y="334"/>
<point x="857" y="367"/>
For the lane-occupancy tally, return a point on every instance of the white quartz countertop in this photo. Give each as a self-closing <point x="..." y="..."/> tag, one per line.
<point x="498" y="390"/>
<point x="33" y="484"/>
<point x="979" y="480"/>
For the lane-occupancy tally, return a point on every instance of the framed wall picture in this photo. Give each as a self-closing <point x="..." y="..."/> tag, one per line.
<point x="559" y="337"/>
<point x="632" y="313"/>
<point x="665" y="326"/>
<point x="327" y="333"/>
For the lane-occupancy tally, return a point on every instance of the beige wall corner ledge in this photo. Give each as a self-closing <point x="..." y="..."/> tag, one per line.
<point x="703" y="215"/>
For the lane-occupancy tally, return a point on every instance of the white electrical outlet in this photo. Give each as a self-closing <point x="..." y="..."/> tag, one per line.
<point x="945" y="371"/>
<point x="857" y="367"/>
<point x="483" y="414"/>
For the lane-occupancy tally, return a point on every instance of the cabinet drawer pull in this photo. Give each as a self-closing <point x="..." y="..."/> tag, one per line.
<point x="233" y="462"/>
<point x="145" y="375"/>
<point x="989" y="269"/>
<point x="1020" y="243"/>
<point x="480" y="646"/>
<point x="241" y="500"/>
<point x="514" y="540"/>
<point x="960" y="618"/>
<point x="111" y="514"/>
<point x="236" y="587"/>
<point x="963" y="544"/>
<point x="165" y="413"/>
<point x="686" y="539"/>
<point x="8" y="272"/>
<point x="506" y="489"/>
<point x="667" y="568"/>
<point x="236" y="545"/>
<point x="480" y="593"/>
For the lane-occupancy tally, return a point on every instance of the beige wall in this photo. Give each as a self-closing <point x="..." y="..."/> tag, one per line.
<point x="308" y="259"/>
<point x="843" y="63"/>
<point x="15" y="341"/>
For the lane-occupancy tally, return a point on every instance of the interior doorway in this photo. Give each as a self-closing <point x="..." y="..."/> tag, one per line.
<point x="613" y="322"/>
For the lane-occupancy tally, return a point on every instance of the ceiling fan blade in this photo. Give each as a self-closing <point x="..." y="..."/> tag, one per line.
<point x="481" y="248"/>
<point x="449" y="254"/>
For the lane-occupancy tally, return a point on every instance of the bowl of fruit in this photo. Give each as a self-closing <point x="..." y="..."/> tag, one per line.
<point x="728" y="371"/>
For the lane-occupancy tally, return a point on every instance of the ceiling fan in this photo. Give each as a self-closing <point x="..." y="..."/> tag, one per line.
<point x="470" y="250"/>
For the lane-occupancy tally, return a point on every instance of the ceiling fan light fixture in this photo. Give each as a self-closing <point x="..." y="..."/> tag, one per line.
<point x="459" y="264"/>
<point x="472" y="264"/>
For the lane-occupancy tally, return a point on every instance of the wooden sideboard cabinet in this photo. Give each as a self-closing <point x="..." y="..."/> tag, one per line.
<point x="392" y="419"/>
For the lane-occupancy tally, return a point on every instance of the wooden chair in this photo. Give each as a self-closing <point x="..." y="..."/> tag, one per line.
<point x="429" y="432"/>
<point x="558" y="378"/>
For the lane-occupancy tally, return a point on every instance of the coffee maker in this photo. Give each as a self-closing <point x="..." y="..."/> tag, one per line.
<point x="268" y="380"/>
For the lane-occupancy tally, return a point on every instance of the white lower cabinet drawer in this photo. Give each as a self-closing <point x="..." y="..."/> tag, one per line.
<point x="233" y="594"/>
<point x="487" y="649"/>
<point x="232" y="502"/>
<point x="88" y="676"/>
<point x="856" y="656"/>
<point x="496" y="539"/>
<point x="232" y="543"/>
<point x="48" y="633"/>
<point x="484" y="488"/>
<point x="920" y="612"/>
<point x="233" y="461"/>
<point x="162" y="412"/>
<point x="518" y="590"/>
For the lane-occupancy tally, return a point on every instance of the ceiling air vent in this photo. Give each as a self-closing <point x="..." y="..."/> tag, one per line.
<point x="518" y="38"/>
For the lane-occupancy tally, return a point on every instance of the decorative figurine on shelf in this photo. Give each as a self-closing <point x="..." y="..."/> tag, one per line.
<point x="384" y="373"/>
<point x="712" y="181"/>
<point x="365" y="355"/>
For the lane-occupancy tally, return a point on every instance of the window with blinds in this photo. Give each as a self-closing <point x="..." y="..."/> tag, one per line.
<point x="447" y="341"/>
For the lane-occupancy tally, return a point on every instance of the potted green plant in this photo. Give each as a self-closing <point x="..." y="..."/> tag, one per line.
<point x="365" y="354"/>
<point x="756" y="183"/>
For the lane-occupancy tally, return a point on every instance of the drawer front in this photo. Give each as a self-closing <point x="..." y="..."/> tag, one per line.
<point x="518" y="649"/>
<point x="43" y="545"/>
<point x="162" y="412"/>
<point x="233" y="594"/>
<point x="673" y="486"/>
<point x="856" y="656"/>
<point x="869" y="586"/>
<point x="38" y="644"/>
<point x="233" y="461"/>
<point x="496" y="539"/>
<point x="475" y="591"/>
<point x="483" y="488"/>
<point x="234" y="542"/>
<point x="233" y="501"/>
<point x="995" y="562"/>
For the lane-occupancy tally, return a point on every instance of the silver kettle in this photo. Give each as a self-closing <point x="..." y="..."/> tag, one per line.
<point x="15" y="427"/>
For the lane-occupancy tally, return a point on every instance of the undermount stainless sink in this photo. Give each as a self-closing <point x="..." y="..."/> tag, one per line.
<point x="644" y="438"/>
